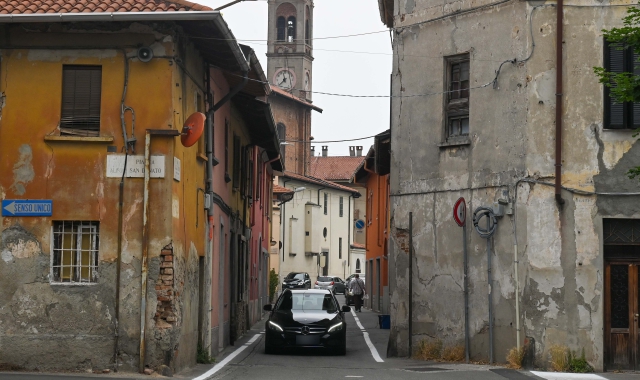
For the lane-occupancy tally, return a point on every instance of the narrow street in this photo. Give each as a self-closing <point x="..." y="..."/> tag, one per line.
<point x="362" y="361"/>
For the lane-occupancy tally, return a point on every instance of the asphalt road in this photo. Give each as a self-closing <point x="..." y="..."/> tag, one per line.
<point x="247" y="360"/>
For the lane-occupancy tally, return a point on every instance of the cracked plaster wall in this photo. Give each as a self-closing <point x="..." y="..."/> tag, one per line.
<point x="511" y="136"/>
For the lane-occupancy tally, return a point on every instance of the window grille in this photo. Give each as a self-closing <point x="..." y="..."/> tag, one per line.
<point x="75" y="252"/>
<point x="341" y="206"/>
<point x="457" y="99"/>
<point x="81" y="92"/>
<point x="624" y="115"/>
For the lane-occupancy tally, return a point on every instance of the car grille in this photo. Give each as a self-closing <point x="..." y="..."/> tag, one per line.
<point x="312" y="330"/>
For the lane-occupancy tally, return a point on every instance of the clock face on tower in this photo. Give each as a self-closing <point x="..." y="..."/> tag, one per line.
<point x="285" y="79"/>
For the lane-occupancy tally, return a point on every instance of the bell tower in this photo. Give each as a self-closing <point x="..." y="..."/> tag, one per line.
<point x="290" y="53"/>
<point x="289" y="58"/>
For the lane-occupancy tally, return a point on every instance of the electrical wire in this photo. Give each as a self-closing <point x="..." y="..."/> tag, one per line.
<point x="378" y="96"/>
<point x="329" y="141"/>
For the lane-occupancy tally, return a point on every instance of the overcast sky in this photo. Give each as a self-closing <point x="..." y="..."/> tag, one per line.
<point x="333" y="71"/>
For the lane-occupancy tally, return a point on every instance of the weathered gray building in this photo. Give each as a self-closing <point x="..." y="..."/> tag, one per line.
<point x="475" y="114"/>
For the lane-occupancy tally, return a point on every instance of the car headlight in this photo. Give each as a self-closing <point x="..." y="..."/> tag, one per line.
<point x="275" y="326"/>
<point x="336" y="327"/>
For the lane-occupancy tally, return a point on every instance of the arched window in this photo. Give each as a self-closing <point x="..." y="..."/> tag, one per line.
<point x="281" y="25"/>
<point x="357" y="265"/>
<point x="291" y="29"/>
<point x="307" y="37"/>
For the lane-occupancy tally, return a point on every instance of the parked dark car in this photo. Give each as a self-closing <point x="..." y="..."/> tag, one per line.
<point x="297" y="280"/>
<point x="306" y="318"/>
<point x="331" y="283"/>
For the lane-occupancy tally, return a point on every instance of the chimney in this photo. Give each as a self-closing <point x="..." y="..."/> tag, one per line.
<point x="325" y="150"/>
<point x="359" y="150"/>
<point x="313" y="150"/>
<point x="352" y="151"/>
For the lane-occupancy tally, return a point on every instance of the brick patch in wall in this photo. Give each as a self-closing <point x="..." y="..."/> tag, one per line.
<point x="165" y="315"/>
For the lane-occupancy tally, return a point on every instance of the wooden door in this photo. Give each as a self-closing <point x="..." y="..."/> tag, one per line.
<point x="621" y="315"/>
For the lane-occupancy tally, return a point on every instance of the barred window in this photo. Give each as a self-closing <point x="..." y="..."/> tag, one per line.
<point x="75" y="252"/>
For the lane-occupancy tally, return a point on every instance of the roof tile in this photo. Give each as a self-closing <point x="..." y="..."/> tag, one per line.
<point x="66" y="6"/>
<point x="335" y="168"/>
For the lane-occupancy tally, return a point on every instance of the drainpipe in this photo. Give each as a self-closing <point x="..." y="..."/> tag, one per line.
<point x="145" y="235"/>
<point x="322" y="188"/>
<point x="349" y="227"/>
<point x="559" y="75"/>
<point x="283" y="217"/>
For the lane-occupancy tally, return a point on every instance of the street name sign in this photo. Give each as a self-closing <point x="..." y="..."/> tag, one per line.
<point x="27" y="207"/>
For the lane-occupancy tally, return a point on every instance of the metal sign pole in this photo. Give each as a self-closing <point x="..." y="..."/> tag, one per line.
<point x="466" y="293"/>
<point x="490" y="280"/>
<point x="410" y="282"/>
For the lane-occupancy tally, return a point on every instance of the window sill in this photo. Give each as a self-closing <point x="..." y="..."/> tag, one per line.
<point x="455" y="142"/>
<point x="58" y="283"/>
<point x="201" y="157"/>
<point x="86" y="139"/>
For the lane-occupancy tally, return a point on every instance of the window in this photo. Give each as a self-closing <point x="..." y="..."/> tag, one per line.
<point x="457" y="97"/>
<point x="326" y="201"/>
<point x="227" y="177"/>
<point x="340" y="248"/>
<point x="75" y="252"/>
<point x="281" y="28"/>
<point x="282" y="137"/>
<point x="620" y="115"/>
<point x="341" y="206"/>
<point x="291" y="29"/>
<point x="307" y="35"/>
<point x="237" y="156"/>
<point x="81" y="92"/>
<point x="358" y="266"/>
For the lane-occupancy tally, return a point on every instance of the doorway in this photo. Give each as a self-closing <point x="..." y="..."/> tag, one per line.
<point x="622" y="294"/>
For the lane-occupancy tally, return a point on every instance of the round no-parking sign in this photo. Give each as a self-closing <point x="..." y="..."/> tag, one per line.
<point x="460" y="211"/>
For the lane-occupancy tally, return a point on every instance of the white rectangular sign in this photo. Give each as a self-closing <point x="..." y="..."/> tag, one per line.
<point x="135" y="166"/>
<point x="176" y="169"/>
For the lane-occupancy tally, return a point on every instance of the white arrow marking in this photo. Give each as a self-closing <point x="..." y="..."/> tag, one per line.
<point x="11" y="207"/>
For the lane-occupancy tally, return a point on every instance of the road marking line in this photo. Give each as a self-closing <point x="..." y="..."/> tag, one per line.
<point x="372" y="348"/>
<point x="226" y="361"/>
<point x="567" y="376"/>
<point x="353" y="376"/>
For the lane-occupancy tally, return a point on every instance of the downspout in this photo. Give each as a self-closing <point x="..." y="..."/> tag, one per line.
<point x="145" y="235"/>
<point x="283" y="217"/>
<point x="559" y="77"/>
<point x="349" y="226"/>
<point x="322" y="188"/>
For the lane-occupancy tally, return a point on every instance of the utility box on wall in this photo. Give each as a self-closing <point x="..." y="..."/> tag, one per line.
<point x="312" y="228"/>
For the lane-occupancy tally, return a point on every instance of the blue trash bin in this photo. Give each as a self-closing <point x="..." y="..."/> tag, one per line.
<point x="384" y="321"/>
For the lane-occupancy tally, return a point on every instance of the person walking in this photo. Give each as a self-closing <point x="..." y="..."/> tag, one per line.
<point x="356" y="286"/>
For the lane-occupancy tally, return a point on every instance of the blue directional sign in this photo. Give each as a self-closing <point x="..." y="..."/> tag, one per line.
<point x="27" y="207"/>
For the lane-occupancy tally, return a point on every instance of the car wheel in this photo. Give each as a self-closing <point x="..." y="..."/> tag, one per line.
<point x="268" y="349"/>
<point x="342" y="351"/>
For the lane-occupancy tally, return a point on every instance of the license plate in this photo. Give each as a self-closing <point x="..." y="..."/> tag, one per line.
<point x="307" y="340"/>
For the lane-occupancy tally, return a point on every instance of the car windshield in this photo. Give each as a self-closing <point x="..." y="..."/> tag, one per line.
<point x="297" y="276"/>
<point x="325" y="279"/>
<point x="307" y="301"/>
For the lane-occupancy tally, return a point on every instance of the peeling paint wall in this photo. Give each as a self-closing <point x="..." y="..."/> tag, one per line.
<point x="561" y="259"/>
<point x="62" y="326"/>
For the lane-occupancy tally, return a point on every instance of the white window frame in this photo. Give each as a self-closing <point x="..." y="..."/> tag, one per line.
<point x="80" y="228"/>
